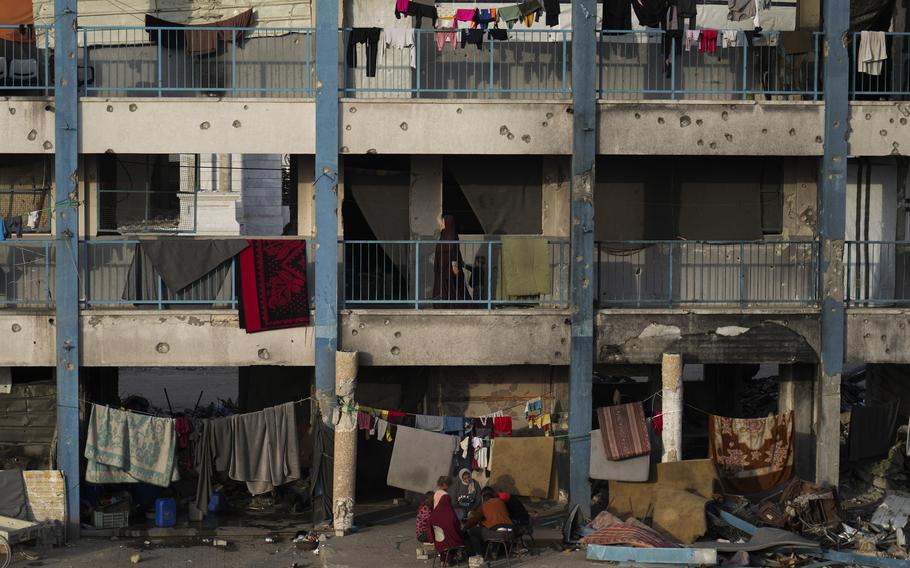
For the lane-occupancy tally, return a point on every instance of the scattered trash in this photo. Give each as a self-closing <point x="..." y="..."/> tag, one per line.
<point x="219" y="542"/>
<point x="135" y="558"/>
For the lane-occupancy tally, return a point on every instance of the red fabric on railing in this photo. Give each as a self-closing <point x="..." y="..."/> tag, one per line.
<point x="17" y="13"/>
<point x="273" y="285"/>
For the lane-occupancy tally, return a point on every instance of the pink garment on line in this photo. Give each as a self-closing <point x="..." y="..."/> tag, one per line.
<point x="401" y="6"/>
<point x="708" y="42"/>
<point x="443" y="36"/>
<point x="464" y="15"/>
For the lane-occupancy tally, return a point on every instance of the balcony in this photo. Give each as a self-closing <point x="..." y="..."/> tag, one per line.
<point x="743" y="274"/>
<point x="27" y="269"/>
<point x="877" y="273"/>
<point x="216" y="62"/>
<point x="650" y="64"/>
<point x="26" y="60"/>
<point x="893" y="80"/>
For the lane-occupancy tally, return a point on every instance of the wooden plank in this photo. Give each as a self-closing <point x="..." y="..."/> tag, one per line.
<point x="652" y="555"/>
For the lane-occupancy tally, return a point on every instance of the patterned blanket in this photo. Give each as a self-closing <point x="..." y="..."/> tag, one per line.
<point x="273" y="290"/>
<point x="624" y="431"/>
<point x="752" y="454"/>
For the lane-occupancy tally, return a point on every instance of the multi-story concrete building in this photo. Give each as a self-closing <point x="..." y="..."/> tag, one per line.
<point x="744" y="205"/>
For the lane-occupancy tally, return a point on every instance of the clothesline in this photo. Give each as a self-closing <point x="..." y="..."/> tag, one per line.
<point x="159" y="415"/>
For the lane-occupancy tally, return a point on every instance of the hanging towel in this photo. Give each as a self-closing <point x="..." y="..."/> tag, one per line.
<point x="483" y="428"/>
<point x="444" y="36"/>
<point x="453" y="425"/>
<point x="401" y="8"/>
<point x="427" y="422"/>
<point x="730" y="38"/>
<point x="401" y="38"/>
<point x="273" y="285"/>
<point x="364" y="421"/>
<point x="752" y="454"/>
<point x="265" y="453"/>
<point x="526" y="268"/>
<point x="502" y="426"/>
<point x="692" y="38"/>
<point x="126" y="447"/>
<point x="382" y="428"/>
<point x="624" y="431"/>
<point x="872" y="53"/>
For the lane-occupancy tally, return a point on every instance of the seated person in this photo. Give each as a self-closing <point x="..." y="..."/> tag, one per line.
<point x="442" y="488"/>
<point x="517" y="512"/>
<point x="467" y="494"/>
<point x="445" y="531"/>
<point x="483" y="523"/>
<point x="424" y="534"/>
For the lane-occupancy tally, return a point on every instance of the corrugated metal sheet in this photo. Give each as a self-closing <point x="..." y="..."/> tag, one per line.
<point x="28" y="414"/>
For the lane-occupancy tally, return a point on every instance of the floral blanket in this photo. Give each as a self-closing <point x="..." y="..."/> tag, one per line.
<point x="752" y="454"/>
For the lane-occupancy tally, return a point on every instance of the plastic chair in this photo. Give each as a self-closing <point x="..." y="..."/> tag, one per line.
<point x="502" y="540"/>
<point x="3" y="69"/>
<point x="439" y="536"/>
<point x="23" y="72"/>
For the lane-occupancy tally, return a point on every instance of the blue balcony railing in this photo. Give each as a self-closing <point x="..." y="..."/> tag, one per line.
<point x="674" y="273"/>
<point x="529" y="64"/>
<point x="27" y="269"/>
<point x="402" y="274"/>
<point x="878" y="273"/>
<point x="891" y="79"/>
<point x="174" y="61"/>
<point x="26" y="64"/>
<point x="652" y="65"/>
<point x="112" y="277"/>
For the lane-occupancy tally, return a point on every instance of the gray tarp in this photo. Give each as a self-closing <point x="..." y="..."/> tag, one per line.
<point x="505" y="193"/>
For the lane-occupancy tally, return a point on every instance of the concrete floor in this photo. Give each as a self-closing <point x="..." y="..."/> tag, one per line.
<point x="388" y="541"/>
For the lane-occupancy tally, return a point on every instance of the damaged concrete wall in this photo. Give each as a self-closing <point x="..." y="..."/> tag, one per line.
<point x="879" y="129"/>
<point x="624" y="336"/>
<point x="800" y="199"/>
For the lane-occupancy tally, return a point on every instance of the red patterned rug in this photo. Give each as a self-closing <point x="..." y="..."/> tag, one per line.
<point x="273" y="285"/>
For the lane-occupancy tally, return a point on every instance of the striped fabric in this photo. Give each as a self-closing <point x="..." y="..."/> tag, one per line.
<point x="624" y="431"/>
<point x="626" y="535"/>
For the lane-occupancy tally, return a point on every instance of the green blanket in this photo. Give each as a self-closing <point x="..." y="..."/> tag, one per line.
<point x="526" y="267"/>
<point x="126" y="447"/>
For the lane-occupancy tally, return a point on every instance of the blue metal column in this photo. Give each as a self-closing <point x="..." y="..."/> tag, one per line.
<point x="832" y="212"/>
<point x="66" y="163"/>
<point x="326" y="188"/>
<point x="584" y="102"/>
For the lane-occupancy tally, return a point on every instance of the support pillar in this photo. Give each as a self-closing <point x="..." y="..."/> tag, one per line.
<point x="671" y="374"/>
<point x="795" y="395"/>
<point x="345" y="462"/>
<point x="306" y="202"/>
<point x="832" y="212"/>
<point x="66" y="163"/>
<point x="584" y="121"/>
<point x="326" y="178"/>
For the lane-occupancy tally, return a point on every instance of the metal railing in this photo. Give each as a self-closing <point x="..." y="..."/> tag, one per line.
<point x="112" y="276"/>
<point x="402" y="273"/>
<point x="652" y="64"/>
<point x="672" y="273"/>
<point x="26" y="65"/>
<point x="529" y="64"/>
<point x="27" y="271"/>
<point x="175" y="61"/>
<point x="878" y="273"/>
<point x="892" y="79"/>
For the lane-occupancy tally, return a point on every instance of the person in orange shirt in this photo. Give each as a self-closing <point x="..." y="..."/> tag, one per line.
<point x="483" y="523"/>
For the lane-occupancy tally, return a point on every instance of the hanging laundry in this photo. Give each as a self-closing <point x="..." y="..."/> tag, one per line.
<point x="688" y="10"/>
<point x="427" y="422"/>
<point x="552" y="8"/>
<point x="401" y="38"/>
<point x="453" y="425"/>
<point x="182" y="427"/>
<point x="127" y="447"/>
<point x="273" y="284"/>
<point x="692" y="37"/>
<point x="657" y="423"/>
<point x="872" y="53"/>
<point x="498" y="34"/>
<point x="364" y="421"/>
<point x="483" y="427"/>
<point x="464" y="18"/>
<point x="509" y="15"/>
<point x="382" y="428"/>
<point x="401" y="8"/>
<point x="443" y="37"/>
<point x="760" y="6"/>
<point x="545" y="424"/>
<point x="482" y="18"/>
<point x="752" y="454"/>
<point x="2" y="230"/>
<point x="624" y="430"/>
<point x="474" y="37"/>
<point x="740" y="10"/>
<point x="730" y="39"/>
<point x="502" y="426"/>
<point x="369" y="37"/>
<point x="418" y="11"/>
<point x="617" y="15"/>
<point x="14" y="226"/>
<point x="32" y="222"/>
<point x="396" y="417"/>
<point x="649" y="12"/>
<point x="708" y="42"/>
<point x="265" y="453"/>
